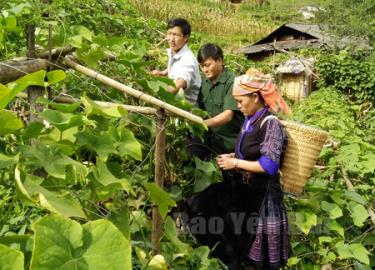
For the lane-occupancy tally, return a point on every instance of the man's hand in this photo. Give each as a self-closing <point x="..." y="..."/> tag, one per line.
<point x="220" y="119"/>
<point x="158" y="73"/>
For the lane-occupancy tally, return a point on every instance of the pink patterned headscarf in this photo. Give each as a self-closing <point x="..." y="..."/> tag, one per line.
<point x="255" y="81"/>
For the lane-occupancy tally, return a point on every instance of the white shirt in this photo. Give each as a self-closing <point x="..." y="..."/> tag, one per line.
<point x="183" y="65"/>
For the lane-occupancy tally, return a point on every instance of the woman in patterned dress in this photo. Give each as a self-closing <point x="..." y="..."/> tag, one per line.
<point x="243" y="217"/>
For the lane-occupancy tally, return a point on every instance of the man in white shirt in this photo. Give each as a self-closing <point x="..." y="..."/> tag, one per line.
<point x="182" y="68"/>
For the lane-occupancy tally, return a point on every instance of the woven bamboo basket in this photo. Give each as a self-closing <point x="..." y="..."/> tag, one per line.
<point x="304" y="146"/>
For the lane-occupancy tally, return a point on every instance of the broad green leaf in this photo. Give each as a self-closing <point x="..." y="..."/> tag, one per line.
<point x="82" y="31"/>
<point x="11" y="24"/>
<point x="109" y="110"/>
<point x="91" y="56"/>
<point x="205" y="174"/>
<point x="11" y="259"/>
<point x="56" y="76"/>
<point x="170" y="233"/>
<point x="356" y="251"/>
<point x="13" y="88"/>
<point x="332" y="209"/>
<point x="52" y="160"/>
<point x="8" y="161"/>
<point x="161" y="198"/>
<point x="62" y="121"/>
<point x="333" y="225"/>
<point x="368" y="164"/>
<point x="358" y="213"/>
<point x="120" y="219"/>
<point x="9" y="122"/>
<point x="337" y="197"/>
<point x="62" y="202"/>
<point x="305" y="220"/>
<point x="103" y="145"/>
<point x="129" y="145"/>
<point x="106" y="178"/>
<point x="355" y="197"/>
<point x="32" y="130"/>
<point x="75" y="41"/>
<point x="64" y="244"/>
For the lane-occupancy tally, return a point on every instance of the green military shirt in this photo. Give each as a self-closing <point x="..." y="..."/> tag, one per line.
<point x="215" y="99"/>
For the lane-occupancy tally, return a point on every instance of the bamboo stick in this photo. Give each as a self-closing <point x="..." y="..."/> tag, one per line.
<point x="130" y="91"/>
<point x="61" y="51"/>
<point x="157" y="221"/>
<point x="129" y="108"/>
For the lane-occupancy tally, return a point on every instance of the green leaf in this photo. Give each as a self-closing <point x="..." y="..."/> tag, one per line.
<point x="8" y="161"/>
<point x="330" y="257"/>
<point x="33" y="130"/>
<point x="333" y="225"/>
<point x="129" y="145"/>
<point x="170" y="233"/>
<point x="355" y="197"/>
<point x="120" y="219"/>
<point x="325" y="239"/>
<point x="13" y="88"/>
<point x="107" y="110"/>
<point x="64" y="244"/>
<point x="11" y="259"/>
<point x="62" y="121"/>
<point x="91" y="56"/>
<point x="103" y="145"/>
<point x="82" y="31"/>
<point x="332" y="209"/>
<point x="161" y="198"/>
<point x="358" y="212"/>
<point x="56" y="76"/>
<point x="157" y="263"/>
<point x="293" y="261"/>
<point x="9" y="122"/>
<point x="305" y="220"/>
<point x="52" y="160"/>
<point x="62" y="202"/>
<point x="106" y="178"/>
<point x="356" y="251"/>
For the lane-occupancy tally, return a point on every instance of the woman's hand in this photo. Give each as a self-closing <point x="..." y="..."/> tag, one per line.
<point x="226" y="162"/>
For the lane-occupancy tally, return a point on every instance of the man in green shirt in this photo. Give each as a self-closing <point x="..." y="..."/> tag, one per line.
<point x="215" y="96"/>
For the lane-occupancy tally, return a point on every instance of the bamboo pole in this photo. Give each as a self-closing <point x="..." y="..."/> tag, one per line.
<point x="129" y="108"/>
<point x="130" y="91"/>
<point x="157" y="222"/>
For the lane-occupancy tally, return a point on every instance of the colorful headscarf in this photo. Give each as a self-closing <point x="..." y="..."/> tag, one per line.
<point x="255" y="81"/>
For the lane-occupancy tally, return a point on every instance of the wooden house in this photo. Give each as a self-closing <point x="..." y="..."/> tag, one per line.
<point x="296" y="78"/>
<point x="296" y="36"/>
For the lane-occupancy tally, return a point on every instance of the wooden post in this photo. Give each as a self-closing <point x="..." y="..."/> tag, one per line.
<point x="157" y="222"/>
<point x="33" y="91"/>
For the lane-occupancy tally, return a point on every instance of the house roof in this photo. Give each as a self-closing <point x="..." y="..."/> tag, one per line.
<point x="296" y="36"/>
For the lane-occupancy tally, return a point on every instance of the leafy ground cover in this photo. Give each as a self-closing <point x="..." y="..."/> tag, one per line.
<point x="81" y="172"/>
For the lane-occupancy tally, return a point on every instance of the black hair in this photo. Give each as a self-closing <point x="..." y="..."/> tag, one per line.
<point x="210" y="50"/>
<point x="182" y="23"/>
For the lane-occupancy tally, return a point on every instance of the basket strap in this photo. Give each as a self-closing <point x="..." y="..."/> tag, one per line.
<point x="268" y="117"/>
